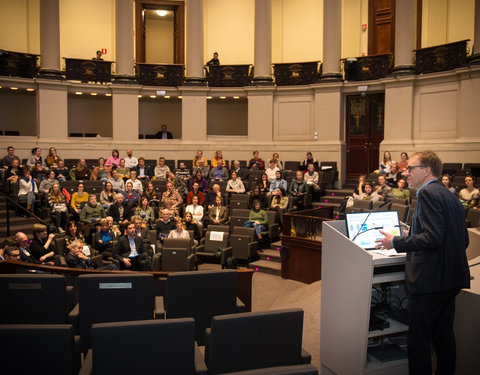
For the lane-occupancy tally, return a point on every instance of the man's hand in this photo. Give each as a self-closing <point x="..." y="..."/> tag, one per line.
<point x="51" y="236"/>
<point x="127" y="262"/>
<point x="385" y="242"/>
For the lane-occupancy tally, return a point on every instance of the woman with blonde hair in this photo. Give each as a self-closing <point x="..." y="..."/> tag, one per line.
<point x="58" y="207"/>
<point x="179" y="231"/>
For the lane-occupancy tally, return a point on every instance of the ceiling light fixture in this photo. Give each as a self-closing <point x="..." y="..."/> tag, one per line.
<point x="180" y="97"/>
<point x="167" y="96"/>
<point x="78" y="93"/>
<point x="153" y="96"/>
<point x="162" y="13"/>
<point x="108" y="94"/>
<point x="209" y="97"/>
<point x="223" y="97"/>
<point x="236" y="97"/>
<point x="140" y="96"/>
<point x="13" y="88"/>
<point x="30" y="89"/>
<point x="93" y="93"/>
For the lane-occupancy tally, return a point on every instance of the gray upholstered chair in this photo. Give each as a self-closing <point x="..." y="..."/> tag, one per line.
<point x="112" y="298"/>
<point x="201" y="295"/>
<point x="169" y="259"/>
<point x="258" y="340"/>
<point x="144" y="347"/>
<point x="39" y="349"/>
<point x="214" y="240"/>
<point x="401" y="209"/>
<point x="243" y="243"/>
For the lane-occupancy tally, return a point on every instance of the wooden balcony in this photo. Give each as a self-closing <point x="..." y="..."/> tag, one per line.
<point x="228" y="75"/>
<point x="18" y="64"/>
<point x="160" y="74"/>
<point x="88" y="70"/>
<point x="440" y="58"/>
<point x="296" y="73"/>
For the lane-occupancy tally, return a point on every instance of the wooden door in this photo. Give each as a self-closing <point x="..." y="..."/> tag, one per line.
<point x="364" y="133"/>
<point x="381" y="32"/>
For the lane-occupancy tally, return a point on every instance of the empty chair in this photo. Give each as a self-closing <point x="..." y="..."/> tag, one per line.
<point x="402" y="211"/>
<point x="243" y="243"/>
<point x="382" y="206"/>
<point x="398" y="201"/>
<point x="291" y="165"/>
<point x="176" y="255"/>
<point x="39" y="349"/>
<point x="33" y="299"/>
<point x="362" y="205"/>
<point x="144" y="347"/>
<point x="113" y="298"/>
<point x="473" y="218"/>
<point x="257" y="340"/>
<point x="214" y="246"/>
<point x="202" y="295"/>
<point x="451" y="168"/>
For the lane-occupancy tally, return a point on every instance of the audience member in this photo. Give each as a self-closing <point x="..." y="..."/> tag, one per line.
<point x="164" y="225"/>
<point x="120" y="212"/>
<point x="218" y="214"/>
<point x="52" y="158"/>
<point x="196" y="191"/>
<point x="37" y="172"/>
<point x="11" y="253"/>
<point x="219" y="173"/>
<point x="311" y="178"/>
<point x="199" y="156"/>
<point x="263" y="184"/>
<point x="256" y="162"/>
<point x="182" y="177"/>
<point x="368" y="193"/>
<point x="45" y="185"/>
<point x="256" y="194"/>
<point x="163" y="133"/>
<point x="210" y="199"/>
<point x="27" y="189"/>
<point x="107" y="196"/>
<point x="144" y="172"/>
<point x="359" y="188"/>
<point x="73" y="234"/>
<point x="152" y="196"/>
<point x="240" y="171"/>
<point x="201" y="167"/>
<point x="98" y="56"/>
<point x="7" y="159"/>
<point x="145" y="212"/>
<point x="91" y="215"/>
<point x="309" y="160"/>
<point x="214" y="60"/>
<point x="75" y="258"/>
<point x="400" y="191"/>
<point x="131" y="251"/>
<point x="23" y="244"/>
<point x="13" y="173"/>
<point x="172" y="195"/>
<point x="82" y="172"/>
<point x="194" y="226"/>
<point x="386" y="164"/>
<point x="130" y="161"/>
<point x="469" y="195"/>
<point x="161" y="170"/>
<point x="113" y="160"/>
<point x="271" y="171"/>
<point x="276" y="161"/>
<point x="446" y="182"/>
<point x="130" y="196"/>
<point x="104" y="240"/>
<point x="257" y="219"/>
<point x="58" y="207"/>
<point x="382" y="188"/>
<point x="79" y="198"/>
<point x="61" y="172"/>
<point x="42" y="246"/>
<point x="140" y="229"/>
<point x="36" y="157"/>
<point x="218" y="158"/>
<point x="279" y="205"/>
<point x="100" y="172"/>
<point x="202" y="182"/>
<point x="393" y="176"/>
<point x="137" y="185"/>
<point x="179" y="231"/>
<point x="123" y="171"/>
<point x="403" y="163"/>
<point x="298" y="188"/>
<point x="235" y="185"/>
<point x="196" y="209"/>
<point x="117" y="182"/>
<point x="278" y="183"/>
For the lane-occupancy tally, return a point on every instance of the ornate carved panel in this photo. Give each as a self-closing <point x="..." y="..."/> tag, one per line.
<point x="228" y="75"/>
<point x="17" y="64"/>
<point x="295" y="73"/>
<point x="368" y="67"/>
<point x="160" y="75"/>
<point x="439" y="58"/>
<point x="88" y="70"/>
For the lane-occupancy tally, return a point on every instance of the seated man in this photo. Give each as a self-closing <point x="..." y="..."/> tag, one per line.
<point x="131" y="161"/>
<point x="271" y="171"/>
<point x="195" y="191"/>
<point x="256" y="162"/>
<point x="46" y="184"/>
<point x="218" y="214"/>
<point x="382" y="189"/>
<point x="163" y="133"/>
<point x="140" y="231"/>
<point x="92" y="212"/>
<point x="240" y="171"/>
<point x="164" y="225"/>
<point x="172" y="195"/>
<point x="311" y="178"/>
<point x="75" y="258"/>
<point x="219" y="173"/>
<point x="144" y="172"/>
<point x="182" y="177"/>
<point x="161" y="170"/>
<point x="298" y="188"/>
<point x="119" y="211"/>
<point x="210" y="199"/>
<point x="61" y="173"/>
<point x="12" y="253"/>
<point x="131" y="251"/>
<point x="117" y="183"/>
<point x="7" y="159"/>
<point x="201" y="167"/>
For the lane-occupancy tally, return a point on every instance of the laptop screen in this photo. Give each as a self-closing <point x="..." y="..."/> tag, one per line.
<point x="363" y="227"/>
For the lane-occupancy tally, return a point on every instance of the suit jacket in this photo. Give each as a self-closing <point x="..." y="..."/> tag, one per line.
<point x="75" y="262"/>
<point x="436" y="259"/>
<point x="115" y="213"/>
<point x="223" y="215"/>
<point x="159" y="134"/>
<point x="148" y="171"/>
<point x="123" y="247"/>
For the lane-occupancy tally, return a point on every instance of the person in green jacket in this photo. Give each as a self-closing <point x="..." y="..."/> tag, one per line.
<point x="257" y="219"/>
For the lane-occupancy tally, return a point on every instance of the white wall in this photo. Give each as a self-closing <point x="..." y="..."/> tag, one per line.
<point x="159" y="41"/>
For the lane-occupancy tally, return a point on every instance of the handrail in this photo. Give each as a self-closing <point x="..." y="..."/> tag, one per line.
<point x="310" y="227"/>
<point x="18" y="205"/>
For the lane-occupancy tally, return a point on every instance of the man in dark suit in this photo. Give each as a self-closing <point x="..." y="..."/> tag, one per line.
<point x="144" y="172"/>
<point x="163" y="133"/>
<point x="120" y="212"/>
<point x="436" y="265"/>
<point x="75" y="258"/>
<point x="131" y="251"/>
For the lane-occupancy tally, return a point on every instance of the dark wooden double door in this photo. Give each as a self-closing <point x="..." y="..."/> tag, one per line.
<point x="364" y="132"/>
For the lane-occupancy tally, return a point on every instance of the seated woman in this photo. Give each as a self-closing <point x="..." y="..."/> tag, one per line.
<point x="393" y="176"/>
<point x="218" y="214"/>
<point x="42" y="246"/>
<point x="279" y="205"/>
<point x="46" y="184"/>
<point x="309" y="160"/>
<point x="199" y="156"/>
<point x="153" y="197"/>
<point x="257" y="195"/>
<point x="36" y="157"/>
<point x="27" y="189"/>
<point x="73" y="234"/>
<point x="196" y="210"/>
<point x="359" y="188"/>
<point x="218" y="157"/>
<point x="264" y="184"/>
<point x="190" y="224"/>
<point x="145" y="212"/>
<point x="235" y="185"/>
<point x="368" y="193"/>
<point x="82" y="172"/>
<point x="469" y="195"/>
<point x="12" y="174"/>
<point x="445" y="180"/>
<point x="311" y="178"/>
<point x="136" y="183"/>
<point x="179" y="231"/>
<point x="202" y="182"/>
<point x="386" y="164"/>
<point x="130" y="196"/>
<point x="104" y="242"/>
<point x="58" y="207"/>
<point x="123" y="171"/>
<point x="101" y="172"/>
<point x="403" y="163"/>
<point x="276" y="161"/>
<point x="107" y="196"/>
<point x="78" y="198"/>
<point x="400" y="191"/>
<point x="257" y="219"/>
<point x="37" y="170"/>
<point x="52" y="158"/>
<point x="113" y="160"/>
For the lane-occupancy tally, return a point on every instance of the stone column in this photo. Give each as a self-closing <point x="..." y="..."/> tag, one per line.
<point x="475" y="59"/>
<point x="332" y="40"/>
<point x="124" y="41"/>
<point x="195" y="43"/>
<point x="50" y="39"/>
<point x="263" y="42"/>
<point x="405" y="28"/>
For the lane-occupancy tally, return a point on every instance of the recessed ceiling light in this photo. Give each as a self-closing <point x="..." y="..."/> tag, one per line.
<point x="93" y="93"/>
<point x="140" y="96"/>
<point x="236" y="97"/>
<point x="108" y="94"/>
<point x="209" y="97"/>
<point x="162" y="13"/>
<point x="167" y="96"/>
<point x="30" y="89"/>
<point x="78" y="93"/>
<point x="153" y="96"/>
<point x="180" y="97"/>
<point x="13" y="88"/>
<point x="223" y="97"/>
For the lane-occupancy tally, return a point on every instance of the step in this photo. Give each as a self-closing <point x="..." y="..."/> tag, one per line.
<point x="331" y="199"/>
<point x="276" y="245"/>
<point x="350" y="186"/>
<point x="338" y="192"/>
<point x="325" y="204"/>
<point x="270" y="255"/>
<point x="265" y="266"/>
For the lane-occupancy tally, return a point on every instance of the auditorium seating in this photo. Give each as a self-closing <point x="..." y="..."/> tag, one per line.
<point x="176" y="255"/>
<point x="144" y="347"/>
<point x="214" y="241"/>
<point x="243" y="243"/>
<point x="258" y="340"/>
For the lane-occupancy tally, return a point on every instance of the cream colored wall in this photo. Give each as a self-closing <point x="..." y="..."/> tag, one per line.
<point x="446" y="21"/>
<point x="229" y="30"/>
<point x="297" y="28"/>
<point x="18" y="113"/>
<point x="20" y="25"/>
<point x="354" y="40"/>
<point x="85" y="27"/>
<point x="159" y="42"/>
<point x="154" y="113"/>
<point x="293" y="117"/>
<point x="90" y="115"/>
<point x="227" y="118"/>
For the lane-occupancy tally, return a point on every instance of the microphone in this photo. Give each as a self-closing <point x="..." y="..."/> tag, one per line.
<point x="364" y="221"/>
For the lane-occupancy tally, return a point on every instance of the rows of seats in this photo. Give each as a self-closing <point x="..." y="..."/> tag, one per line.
<point x="121" y="328"/>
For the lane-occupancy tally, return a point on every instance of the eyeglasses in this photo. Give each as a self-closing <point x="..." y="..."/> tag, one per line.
<point x="410" y="167"/>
